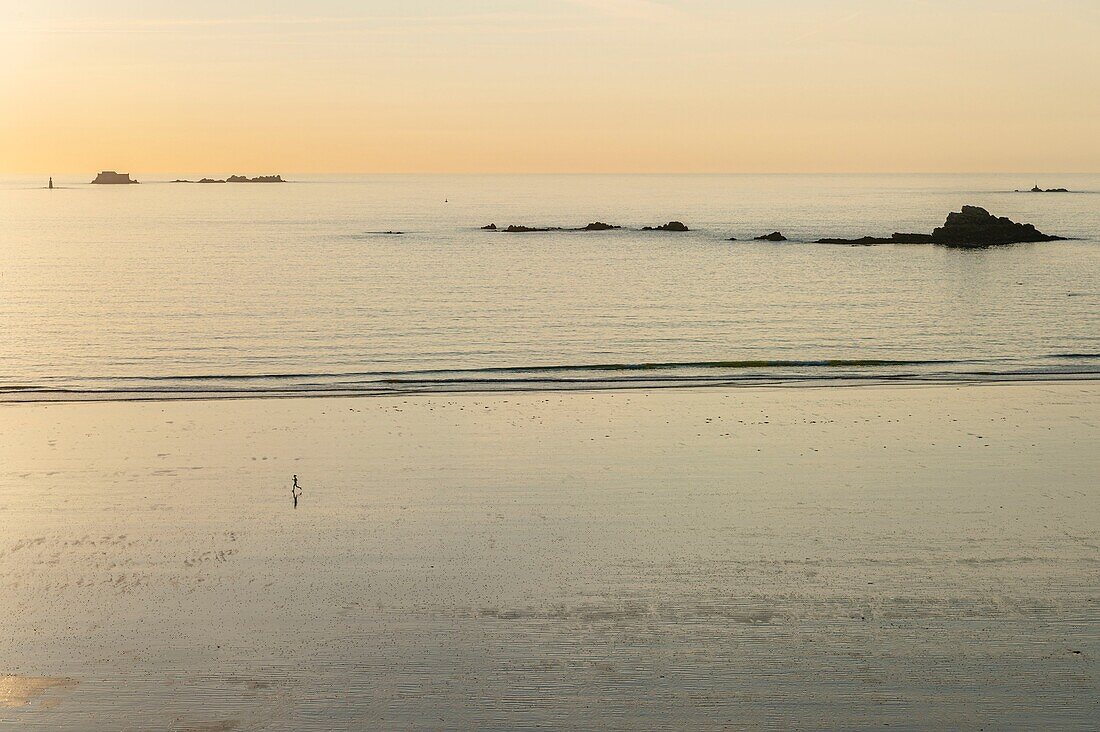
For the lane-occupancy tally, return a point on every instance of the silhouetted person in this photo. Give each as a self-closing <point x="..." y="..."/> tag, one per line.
<point x="51" y="182"/>
<point x="295" y="491"/>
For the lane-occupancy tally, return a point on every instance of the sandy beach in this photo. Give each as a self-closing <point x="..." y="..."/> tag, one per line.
<point x="918" y="557"/>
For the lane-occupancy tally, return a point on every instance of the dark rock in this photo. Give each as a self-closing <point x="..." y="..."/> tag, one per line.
<point x="237" y="179"/>
<point x="258" y="179"/>
<point x="863" y="241"/>
<point x="774" y="236"/>
<point x="871" y="240"/>
<point x="670" y="226"/>
<point x="110" y="177"/>
<point x="976" y="227"/>
<point x="513" y="229"/>
<point x="971" y="227"/>
<point x="732" y="238"/>
<point x="911" y="239"/>
<point x="1037" y="189"/>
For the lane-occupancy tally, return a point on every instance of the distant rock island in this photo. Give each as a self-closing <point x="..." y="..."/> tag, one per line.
<point x="976" y="227"/>
<point x="894" y="239"/>
<point x="513" y="229"/>
<point x="972" y="227"/>
<point x="258" y="179"/>
<point x="594" y="226"/>
<point x="969" y="228"/>
<point x="1037" y="189"/>
<point x="111" y="178"/>
<point x="238" y="179"/>
<point x="670" y="226"/>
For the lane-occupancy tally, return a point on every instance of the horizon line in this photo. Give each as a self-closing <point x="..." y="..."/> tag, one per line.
<point x="265" y="171"/>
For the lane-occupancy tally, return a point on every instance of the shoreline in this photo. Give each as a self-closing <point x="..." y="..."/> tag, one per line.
<point x="721" y="385"/>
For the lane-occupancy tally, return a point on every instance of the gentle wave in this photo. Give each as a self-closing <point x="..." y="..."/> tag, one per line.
<point x="556" y="377"/>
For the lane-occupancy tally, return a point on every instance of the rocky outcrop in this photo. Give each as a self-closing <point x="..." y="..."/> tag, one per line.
<point x="976" y="227"/>
<point x="238" y="179"/>
<point x="259" y="179"/>
<point x="866" y="241"/>
<point x="1037" y="189"/>
<point x="677" y="226"/>
<point x="911" y="238"/>
<point x="513" y="229"/>
<point x="971" y="227"/>
<point x="110" y="177"/>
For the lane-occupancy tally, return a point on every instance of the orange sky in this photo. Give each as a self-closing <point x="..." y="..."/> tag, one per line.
<point x="550" y="86"/>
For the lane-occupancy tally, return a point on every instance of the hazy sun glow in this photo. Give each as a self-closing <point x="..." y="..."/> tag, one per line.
<point x="550" y="85"/>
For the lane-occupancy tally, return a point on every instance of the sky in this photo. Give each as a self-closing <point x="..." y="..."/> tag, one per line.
<point x="549" y="86"/>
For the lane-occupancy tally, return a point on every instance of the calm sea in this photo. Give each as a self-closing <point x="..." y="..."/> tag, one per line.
<point x="174" y="290"/>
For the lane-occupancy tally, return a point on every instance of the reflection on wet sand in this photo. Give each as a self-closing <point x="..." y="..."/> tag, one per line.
<point x="698" y="559"/>
<point x="18" y="691"/>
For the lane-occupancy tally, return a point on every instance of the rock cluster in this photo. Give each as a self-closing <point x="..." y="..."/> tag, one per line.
<point x="677" y="226"/>
<point x="258" y="179"/>
<point x="870" y="240"/>
<point x="1037" y="189"/>
<point x="976" y="227"/>
<point x="514" y="229"/>
<point x="238" y="179"/>
<point x="969" y="228"/>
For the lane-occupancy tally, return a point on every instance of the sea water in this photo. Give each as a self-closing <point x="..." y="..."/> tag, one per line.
<point x="167" y="289"/>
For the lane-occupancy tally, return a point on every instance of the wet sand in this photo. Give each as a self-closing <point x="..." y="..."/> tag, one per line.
<point x="918" y="557"/>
